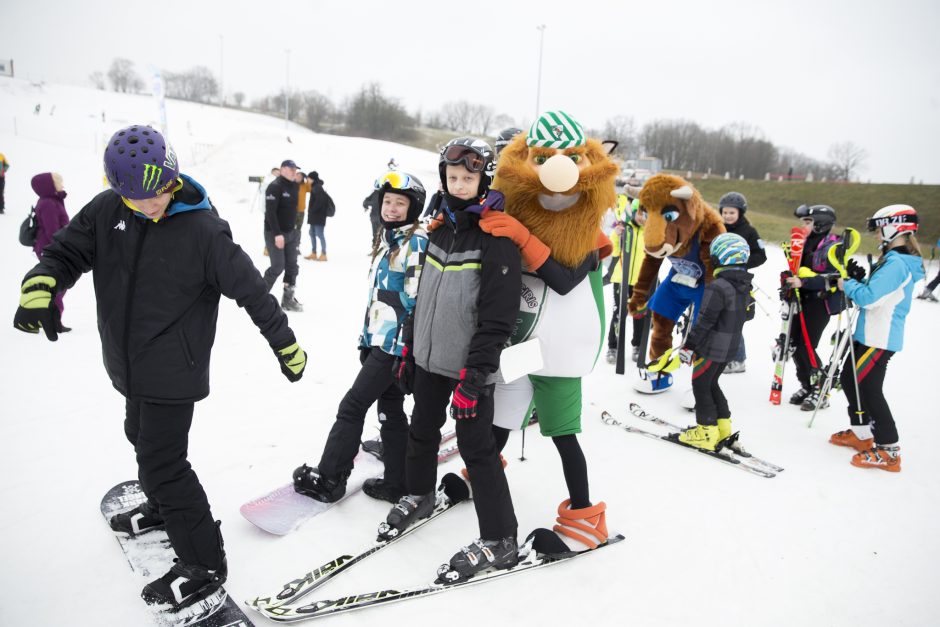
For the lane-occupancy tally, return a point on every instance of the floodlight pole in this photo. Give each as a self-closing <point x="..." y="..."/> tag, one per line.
<point x="538" y="89"/>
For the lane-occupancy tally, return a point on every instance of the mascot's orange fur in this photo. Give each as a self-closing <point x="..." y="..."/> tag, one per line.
<point x="678" y="216"/>
<point x="573" y="233"/>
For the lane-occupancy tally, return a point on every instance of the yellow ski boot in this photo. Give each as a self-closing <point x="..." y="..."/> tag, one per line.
<point x="701" y="436"/>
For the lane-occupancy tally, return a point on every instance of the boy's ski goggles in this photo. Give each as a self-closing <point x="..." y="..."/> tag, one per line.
<point x="471" y="159"/>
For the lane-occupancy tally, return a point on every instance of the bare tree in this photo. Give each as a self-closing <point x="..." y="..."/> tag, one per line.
<point x="372" y="114"/>
<point x="123" y="77"/>
<point x="197" y="84"/>
<point x="457" y="115"/>
<point x="622" y="129"/>
<point x="317" y="109"/>
<point x="97" y="80"/>
<point x="239" y="98"/>
<point x="848" y="158"/>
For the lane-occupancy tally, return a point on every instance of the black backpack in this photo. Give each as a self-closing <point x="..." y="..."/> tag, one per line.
<point x="28" y="229"/>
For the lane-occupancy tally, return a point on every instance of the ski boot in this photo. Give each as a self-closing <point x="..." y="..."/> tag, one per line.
<point x="374" y="448"/>
<point x="184" y="585"/>
<point x="288" y="302"/>
<point x="586" y="526"/>
<point x="410" y="508"/>
<point x="734" y="367"/>
<point x="728" y="438"/>
<point x="479" y="556"/>
<point x="848" y="438"/>
<point x="799" y="396"/>
<point x="309" y="482"/>
<point x="927" y="294"/>
<point x="379" y="489"/>
<point x="809" y="403"/>
<point x="611" y="355"/>
<point x="141" y="519"/>
<point x="701" y="436"/>
<point x="635" y="354"/>
<point x="880" y="456"/>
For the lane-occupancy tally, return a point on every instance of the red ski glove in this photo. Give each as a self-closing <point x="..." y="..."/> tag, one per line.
<point x="467" y="394"/>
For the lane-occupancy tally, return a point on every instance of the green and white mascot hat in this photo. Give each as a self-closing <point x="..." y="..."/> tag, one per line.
<point x="555" y="129"/>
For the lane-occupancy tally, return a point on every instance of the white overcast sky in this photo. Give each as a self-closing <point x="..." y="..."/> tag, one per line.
<point x="807" y="73"/>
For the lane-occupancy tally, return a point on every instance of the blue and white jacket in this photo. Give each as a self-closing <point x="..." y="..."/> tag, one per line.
<point x="393" y="287"/>
<point x="885" y="300"/>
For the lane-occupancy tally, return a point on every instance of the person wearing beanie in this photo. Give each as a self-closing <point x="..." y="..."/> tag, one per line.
<point x="732" y="207"/>
<point x="50" y="217"/>
<point x="321" y="207"/>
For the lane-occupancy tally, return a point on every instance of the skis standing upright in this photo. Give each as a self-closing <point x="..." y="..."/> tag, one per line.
<point x="789" y="304"/>
<point x="626" y="263"/>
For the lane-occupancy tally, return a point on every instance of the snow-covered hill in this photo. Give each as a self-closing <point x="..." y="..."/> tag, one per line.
<point x="824" y="543"/>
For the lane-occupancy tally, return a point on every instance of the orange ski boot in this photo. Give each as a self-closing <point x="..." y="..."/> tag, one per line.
<point x="879" y="457"/>
<point x="587" y="525"/>
<point x="848" y="438"/>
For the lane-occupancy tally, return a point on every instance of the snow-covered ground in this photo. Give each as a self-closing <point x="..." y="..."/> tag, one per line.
<point x="823" y="543"/>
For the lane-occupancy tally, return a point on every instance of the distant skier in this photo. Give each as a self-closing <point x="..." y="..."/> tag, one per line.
<point x="885" y="300"/>
<point x="393" y="284"/>
<point x="161" y="258"/>
<point x="50" y="217"/>
<point x="714" y="338"/>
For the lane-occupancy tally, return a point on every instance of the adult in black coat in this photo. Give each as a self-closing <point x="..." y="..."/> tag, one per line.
<point x="733" y="206"/>
<point x="160" y="261"/>
<point x="320" y="208"/>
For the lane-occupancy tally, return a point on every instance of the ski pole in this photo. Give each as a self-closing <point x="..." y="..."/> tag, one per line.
<point x="522" y="452"/>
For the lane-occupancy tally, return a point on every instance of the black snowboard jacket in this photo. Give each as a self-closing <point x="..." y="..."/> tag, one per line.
<point x="158" y="286"/>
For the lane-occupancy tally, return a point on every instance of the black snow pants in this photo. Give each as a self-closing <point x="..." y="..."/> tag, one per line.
<point x="491" y="497"/>
<point x="870" y="367"/>
<point x="374" y="383"/>
<point x="160" y="435"/>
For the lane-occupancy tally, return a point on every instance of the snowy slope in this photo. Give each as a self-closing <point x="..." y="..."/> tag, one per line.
<point x="823" y="544"/>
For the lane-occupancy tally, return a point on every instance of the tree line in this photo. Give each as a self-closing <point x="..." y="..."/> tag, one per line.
<point x="737" y="150"/>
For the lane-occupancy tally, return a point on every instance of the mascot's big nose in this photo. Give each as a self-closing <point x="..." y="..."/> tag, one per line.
<point x="559" y="173"/>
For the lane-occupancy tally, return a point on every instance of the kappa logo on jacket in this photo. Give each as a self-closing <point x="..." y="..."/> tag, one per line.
<point x="120" y="226"/>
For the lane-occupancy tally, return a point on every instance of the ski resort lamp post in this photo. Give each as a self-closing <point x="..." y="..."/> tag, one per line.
<point x="538" y="88"/>
<point x="287" y="93"/>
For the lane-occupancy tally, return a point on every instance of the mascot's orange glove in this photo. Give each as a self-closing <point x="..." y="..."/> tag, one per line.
<point x="534" y="251"/>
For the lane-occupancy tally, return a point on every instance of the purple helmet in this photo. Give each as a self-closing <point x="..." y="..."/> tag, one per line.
<point x="140" y="163"/>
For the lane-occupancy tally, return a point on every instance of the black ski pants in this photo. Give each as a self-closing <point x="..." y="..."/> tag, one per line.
<point x="710" y="401"/>
<point x="491" y="497"/>
<point x="930" y="286"/>
<point x="282" y="259"/>
<point x="870" y="367"/>
<point x="817" y="317"/>
<point x="375" y="383"/>
<point x="615" y="321"/>
<point x="160" y="435"/>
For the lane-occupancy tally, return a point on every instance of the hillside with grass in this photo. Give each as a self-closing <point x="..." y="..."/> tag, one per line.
<point x="771" y="205"/>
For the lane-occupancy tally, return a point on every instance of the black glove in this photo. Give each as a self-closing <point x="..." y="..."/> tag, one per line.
<point x="37" y="307"/>
<point x="404" y="370"/>
<point x="854" y="270"/>
<point x="293" y="361"/>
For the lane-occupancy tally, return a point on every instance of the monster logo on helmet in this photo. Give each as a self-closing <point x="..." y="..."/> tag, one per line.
<point x="139" y="163"/>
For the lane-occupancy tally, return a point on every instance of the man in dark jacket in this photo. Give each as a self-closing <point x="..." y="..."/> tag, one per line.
<point x="733" y="206"/>
<point x="160" y="258"/>
<point x="714" y="338"/>
<point x="281" y="236"/>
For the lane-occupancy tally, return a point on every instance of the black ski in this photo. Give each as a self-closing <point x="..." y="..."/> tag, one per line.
<point x="725" y="455"/>
<point x="530" y="558"/>
<point x="452" y="491"/>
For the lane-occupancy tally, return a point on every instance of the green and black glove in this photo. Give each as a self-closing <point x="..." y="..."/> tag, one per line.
<point x="37" y="308"/>
<point x="293" y="361"/>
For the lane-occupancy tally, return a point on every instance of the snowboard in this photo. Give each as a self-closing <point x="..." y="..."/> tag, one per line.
<point x="150" y="556"/>
<point x="283" y="510"/>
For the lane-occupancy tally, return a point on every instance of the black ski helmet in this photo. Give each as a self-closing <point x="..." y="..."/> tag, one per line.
<point x="474" y="154"/>
<point x="505" y="136"/>
<point x="823" y="216"/>
<point x="407" y="185"/>
<point x="733" y="199"/>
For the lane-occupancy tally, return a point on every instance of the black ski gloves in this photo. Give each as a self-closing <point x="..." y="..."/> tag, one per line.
<point x="854" y="270"/>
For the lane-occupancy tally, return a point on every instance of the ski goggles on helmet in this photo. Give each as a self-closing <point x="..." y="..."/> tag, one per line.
<point x="400" y="181"/>
<point x="468" y="157"/>
<point x="895" y="220"/>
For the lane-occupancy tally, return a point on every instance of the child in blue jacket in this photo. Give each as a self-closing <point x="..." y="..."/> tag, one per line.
<point x="885" y="300"/>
